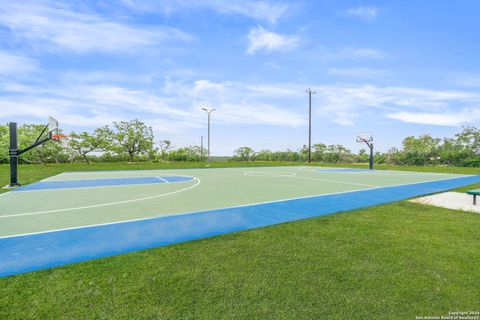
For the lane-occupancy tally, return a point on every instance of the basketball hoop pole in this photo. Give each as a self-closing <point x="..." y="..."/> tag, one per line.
<point x="14" y="152"/>
<point x="370" y="146"/>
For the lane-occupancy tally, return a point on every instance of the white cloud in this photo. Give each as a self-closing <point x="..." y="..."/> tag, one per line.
<point x="11" y="64"/>
<point x="201" y="86"/>
<point x="96" y="104"/>
<point x="50" y="26"/>
<point x="258" y="113"/>
<point x="345" y="104"/>
<point x="360" y="72"/>
<point x="363" y="13"/>
<point x="269" y="11"/>
<point x="261" y="39"/>
<point x="361" y="53"/>
<point x="464" y="116"/>
<point x="350" y="53"/>
<point x="466" y="79"/>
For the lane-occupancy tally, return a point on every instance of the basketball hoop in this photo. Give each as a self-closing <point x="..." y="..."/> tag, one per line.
<point x="59" y="136"/>
<point x="367" y="138"/>
<point x="364" y="137"/>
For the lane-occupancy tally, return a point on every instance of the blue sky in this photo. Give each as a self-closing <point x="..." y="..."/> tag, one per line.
<point x="395" y="68"/>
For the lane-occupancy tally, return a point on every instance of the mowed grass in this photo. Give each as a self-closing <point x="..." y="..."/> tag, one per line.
<point x="393" y="261"/>
<point x="388" y="262"/>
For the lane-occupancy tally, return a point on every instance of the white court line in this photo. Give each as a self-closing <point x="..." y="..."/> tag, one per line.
<point x="102" y="204"/>
<point x="137" y="176"/>
<point x="376" y="172"/>
<point x="295" y="176"/>
<point x="223" y="208"/>
<point x="99" y="187"/>
<point x="379" y="173"/>
<point x="268" y="174"/>
<point x="160" y="178"/>
<point x="48" y="178"/>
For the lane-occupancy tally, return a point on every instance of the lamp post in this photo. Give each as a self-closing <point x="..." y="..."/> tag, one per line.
<point x="208" y="111"/>
<point x="310" y="92"/>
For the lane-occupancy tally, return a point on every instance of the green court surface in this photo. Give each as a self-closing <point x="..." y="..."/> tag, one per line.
<point x="55" y="206"/>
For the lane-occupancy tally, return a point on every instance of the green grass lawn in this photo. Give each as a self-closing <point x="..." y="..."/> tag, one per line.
<point x="394" y="261"/>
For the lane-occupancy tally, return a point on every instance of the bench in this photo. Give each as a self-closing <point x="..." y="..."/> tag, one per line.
<point x="475" y="193"/>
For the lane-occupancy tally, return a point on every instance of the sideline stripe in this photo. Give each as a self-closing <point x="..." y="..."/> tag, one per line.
<point x="345" y="170"/>
<point x="40" y="251"/>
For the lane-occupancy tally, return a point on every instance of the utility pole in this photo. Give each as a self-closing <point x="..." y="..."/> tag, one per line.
<point x="208" y="111"/>
<point x="201" y="146"/>
<point x="310" y="92"/>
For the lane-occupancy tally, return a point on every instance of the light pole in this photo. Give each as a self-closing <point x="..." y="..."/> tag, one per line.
<point x="310" y="92"/>
<point x="208" y="111"/>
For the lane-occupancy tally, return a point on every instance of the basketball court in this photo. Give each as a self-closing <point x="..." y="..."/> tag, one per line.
<point x="76" y="216"/>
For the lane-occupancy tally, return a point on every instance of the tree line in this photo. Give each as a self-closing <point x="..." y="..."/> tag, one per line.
<point x="461" y="150"/>
<point x="122" y="141"/>
<point x="134" y="141"/>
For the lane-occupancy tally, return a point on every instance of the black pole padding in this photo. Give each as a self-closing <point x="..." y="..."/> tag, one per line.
<point x="13" y="153"/>
<point x="371" y="155"/>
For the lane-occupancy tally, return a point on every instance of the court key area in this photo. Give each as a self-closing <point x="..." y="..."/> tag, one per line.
<point x="76" y="216"/>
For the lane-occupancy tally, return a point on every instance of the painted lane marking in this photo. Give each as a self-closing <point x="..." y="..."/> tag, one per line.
<point x="161" y="179"/>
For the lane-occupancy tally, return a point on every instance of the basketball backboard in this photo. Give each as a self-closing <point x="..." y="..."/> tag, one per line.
<point x="53" y="130"/>
<point x="364" y="137"/>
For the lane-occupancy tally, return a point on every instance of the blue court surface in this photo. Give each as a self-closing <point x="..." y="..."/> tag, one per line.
<point x="91" y="183"/>
<point x="78" y="216"/>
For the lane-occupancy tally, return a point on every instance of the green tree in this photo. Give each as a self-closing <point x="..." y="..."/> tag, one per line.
<point x="470" y="138"/>
<point x="133" y="138"/>
<point x="394" y="156"/>
<point x="420" y="150"/>
<point x="264" y="155"/>
<point x="319" y="152"/>
<point x="84" y="143"/>
<point x="48" y="152"/>
<point x="338" y="154"/>
<point x="164" y="147"/>
<point x="244" y="154"/>
<point x="4" y="143"/>
<point x="192" y="153"/>
<point x="363" y="156"/>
